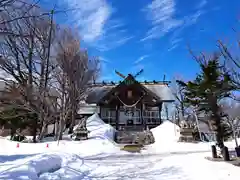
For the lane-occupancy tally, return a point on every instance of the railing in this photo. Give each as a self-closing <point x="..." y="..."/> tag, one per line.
<point x="108" y="115"/>
<point x="150" y="116"/>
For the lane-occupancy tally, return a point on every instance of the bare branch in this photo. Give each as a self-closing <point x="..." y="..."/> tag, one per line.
<point x="75" y="71"/>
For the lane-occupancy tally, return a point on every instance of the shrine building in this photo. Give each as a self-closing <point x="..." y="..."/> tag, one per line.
<point x="128" y="104"/>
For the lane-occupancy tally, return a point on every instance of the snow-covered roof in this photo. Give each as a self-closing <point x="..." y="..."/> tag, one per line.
<point x="97" y="92"/>
<point x="161" y="90"/>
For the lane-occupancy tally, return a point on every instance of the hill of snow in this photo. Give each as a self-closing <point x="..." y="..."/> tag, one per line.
<point x="166" y="138"/>
<point x="97" y="127"/>
<point x="167" y="132"/>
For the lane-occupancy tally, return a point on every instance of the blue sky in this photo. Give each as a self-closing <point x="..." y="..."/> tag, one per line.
<point x="129" y="35"/>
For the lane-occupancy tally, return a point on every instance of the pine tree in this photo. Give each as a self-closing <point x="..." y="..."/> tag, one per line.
<point x="227" y="130"/>
<point x="17" y="118"/>
<point x="211" y="85"/>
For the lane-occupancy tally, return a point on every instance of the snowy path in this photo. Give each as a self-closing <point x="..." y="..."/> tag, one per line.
<point x="145" y="167"/>
<point x="115" y="166"/>
<point x="134" y="167"/>
<point x="120" y="167"/>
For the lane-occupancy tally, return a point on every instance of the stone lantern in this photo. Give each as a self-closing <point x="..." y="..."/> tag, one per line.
<point x="81" y="132"/>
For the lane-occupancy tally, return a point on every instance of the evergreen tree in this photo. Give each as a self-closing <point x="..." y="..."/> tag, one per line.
<point x="227" y="130"/>
<point x="211" y="85"/>
<point x="18" y="119"/>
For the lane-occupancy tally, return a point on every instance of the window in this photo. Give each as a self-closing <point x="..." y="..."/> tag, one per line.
<point x="108" y="115"/>
<point x="151" y="116"/>
<point x="129" y="94"/>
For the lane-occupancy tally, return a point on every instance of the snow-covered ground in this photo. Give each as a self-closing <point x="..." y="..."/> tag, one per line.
<point x="99" y="158"/>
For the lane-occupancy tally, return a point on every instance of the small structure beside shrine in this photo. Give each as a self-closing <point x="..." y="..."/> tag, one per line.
<point x="186" y="132"/>
<point x="129" y="106"/>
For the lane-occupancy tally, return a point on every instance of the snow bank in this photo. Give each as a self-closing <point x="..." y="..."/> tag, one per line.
<point x="97" y="127"/>
<point x="34" y="161"/>
<point x="166" y="141"/>
<point x="167" y="132"/>
<point x="33" y="167"/>
<point x="75" y="171"/>
<point x="100" y="141"/>
<point x="20" y="163"/>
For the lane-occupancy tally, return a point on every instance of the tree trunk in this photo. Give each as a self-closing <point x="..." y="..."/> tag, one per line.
<point x="34" y="131"/>
<point x="219" y="131"/>
<point x="43" y="130"/>
<point x="13" y="131"/>
<point x="216" y="120"/>
<point x="72" y="122"/>
<point x="60" y="129"/>
<point x="56" y="129"/>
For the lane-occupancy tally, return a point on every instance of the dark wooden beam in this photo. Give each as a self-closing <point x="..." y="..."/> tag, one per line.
<point x="160" y="112"/>
<point x="117" y="116"/>
<point x="143" y="121"/>
<point x="100" y="111"/>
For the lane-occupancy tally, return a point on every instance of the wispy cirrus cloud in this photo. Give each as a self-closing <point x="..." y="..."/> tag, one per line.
<point x="174" y="43"/>
<point x="90" y="16"/>
<point x="96" y="25"/>
<point x="140" y="59"/>
<point x="161" y="14"/>
<point x="172" y="47"/>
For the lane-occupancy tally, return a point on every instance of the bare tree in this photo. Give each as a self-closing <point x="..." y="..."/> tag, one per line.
<point x="15" y="10"/>
<point x="181" y="109"/>
<point x="232" y="64"/>
<point x="230" y="108"/>
<point x="25" y="58"/>
<point x="75" y="70"/>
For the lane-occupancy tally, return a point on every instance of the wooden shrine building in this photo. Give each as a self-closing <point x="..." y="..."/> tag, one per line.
<point x="129" y="104"/>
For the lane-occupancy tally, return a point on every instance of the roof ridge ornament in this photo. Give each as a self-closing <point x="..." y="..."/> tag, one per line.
<point x="123" y="76"/>
<point x="138" y="73"/>
<point x="129" y="79"/>
<point x="120" y="74"/>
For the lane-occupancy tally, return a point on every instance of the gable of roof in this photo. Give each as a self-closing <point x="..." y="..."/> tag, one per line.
<point x="132" y="80"/>
<point x="98" y="91"/>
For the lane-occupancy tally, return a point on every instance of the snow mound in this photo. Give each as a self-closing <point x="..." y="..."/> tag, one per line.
<point x="32" y="168"/>
<point x="97" y="127"/>
<point x="167" y="132"/>
<point x="166" y="141"/>
<point x="68" y="172"/>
